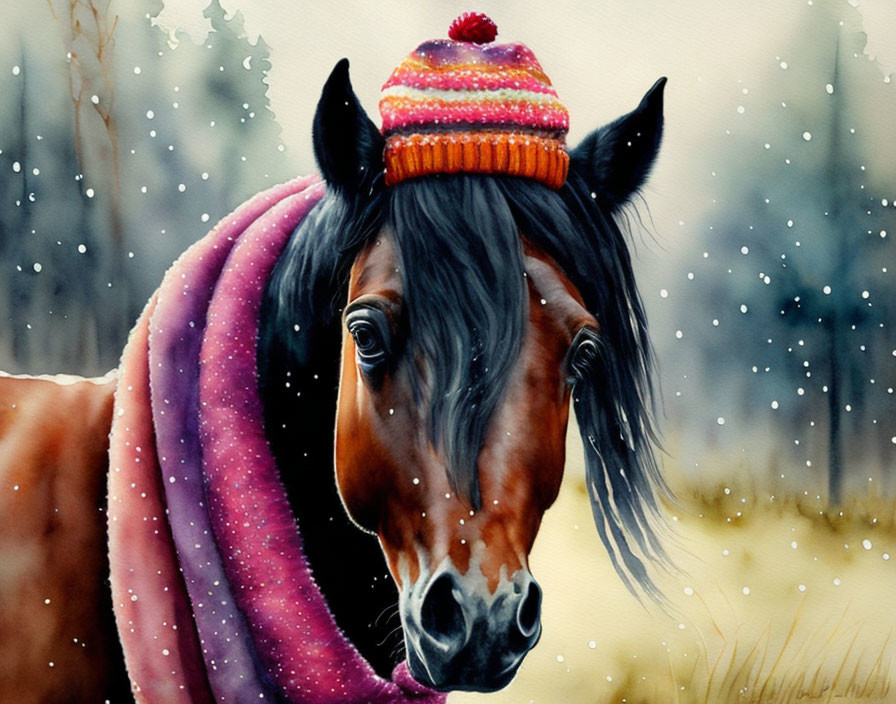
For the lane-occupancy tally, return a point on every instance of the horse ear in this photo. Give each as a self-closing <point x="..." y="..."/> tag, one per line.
<point x="616" y="158"/>
<point x="347" y="145"/>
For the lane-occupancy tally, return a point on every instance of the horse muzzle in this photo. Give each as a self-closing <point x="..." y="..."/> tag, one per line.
<point x="460" y="636"/>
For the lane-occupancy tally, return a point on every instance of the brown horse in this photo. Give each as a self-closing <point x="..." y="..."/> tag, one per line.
<point x="57" y="635"/>
<point x="445" y="323"/>
<point x="474" y="307"/>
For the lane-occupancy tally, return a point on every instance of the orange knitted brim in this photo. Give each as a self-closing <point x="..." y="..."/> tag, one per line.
<point x="541" y="158"/>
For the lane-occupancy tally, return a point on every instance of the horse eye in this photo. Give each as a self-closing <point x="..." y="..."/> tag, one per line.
<point x="583" y="354"/>
<point x="365" y="339"/>
<point x="370" y="330"/>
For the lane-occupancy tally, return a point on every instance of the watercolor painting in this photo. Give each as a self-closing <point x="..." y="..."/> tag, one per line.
<point x="754" y="190"/>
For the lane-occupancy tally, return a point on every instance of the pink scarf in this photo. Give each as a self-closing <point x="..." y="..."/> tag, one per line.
<point x="213" y="596"/>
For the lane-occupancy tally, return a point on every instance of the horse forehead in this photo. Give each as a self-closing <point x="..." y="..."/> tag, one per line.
<point x="557" y="295"/>
<point x="376" y="269"/>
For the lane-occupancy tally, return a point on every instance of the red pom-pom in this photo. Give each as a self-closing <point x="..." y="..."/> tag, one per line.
<point x="473" y="27"/>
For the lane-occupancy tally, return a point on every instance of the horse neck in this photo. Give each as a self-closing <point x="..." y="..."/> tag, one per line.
<point x="300" y="410"/>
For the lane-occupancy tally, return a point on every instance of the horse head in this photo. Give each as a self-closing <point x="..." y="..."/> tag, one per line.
<point x="466" y="311"/>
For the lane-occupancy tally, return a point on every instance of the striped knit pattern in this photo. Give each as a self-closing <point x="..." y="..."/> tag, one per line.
<point x="456" y="106"/>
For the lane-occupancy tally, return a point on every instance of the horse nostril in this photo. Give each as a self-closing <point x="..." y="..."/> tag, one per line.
<point x="529" y="610"/>
<point x="441" y="616"/>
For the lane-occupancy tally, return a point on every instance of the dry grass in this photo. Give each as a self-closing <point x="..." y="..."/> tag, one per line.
<point x="778" y="600"/>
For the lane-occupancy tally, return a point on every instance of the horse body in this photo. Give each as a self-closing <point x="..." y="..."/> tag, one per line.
<point x="57" y="635"/>
<point x="447" y="324"/>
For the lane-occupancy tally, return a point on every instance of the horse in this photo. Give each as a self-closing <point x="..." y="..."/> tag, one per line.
<point x="58" y="641"/>
<point x="445" y="323"/>
<point x="418" y="351"/>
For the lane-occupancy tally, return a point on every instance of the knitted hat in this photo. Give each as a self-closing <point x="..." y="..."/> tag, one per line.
<point x="465" y="104"/>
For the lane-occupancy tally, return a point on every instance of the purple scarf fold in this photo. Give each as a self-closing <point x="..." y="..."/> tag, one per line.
<point x="212" y="593"/>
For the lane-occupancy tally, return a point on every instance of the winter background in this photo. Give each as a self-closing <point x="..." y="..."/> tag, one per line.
<point x="765" y="255"/>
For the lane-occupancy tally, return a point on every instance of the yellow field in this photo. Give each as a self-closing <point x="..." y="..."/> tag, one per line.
<point x="776" y="602"/>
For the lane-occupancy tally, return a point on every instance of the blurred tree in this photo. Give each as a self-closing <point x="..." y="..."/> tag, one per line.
<point x="804" y="292"/>
<point x="88" y="29"/>
<point x="197" y="133"/>
<point x="45" y="215"/>
<point x="119" y="148"/>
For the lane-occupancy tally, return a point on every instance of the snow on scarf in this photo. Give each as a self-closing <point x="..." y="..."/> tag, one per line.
<point x="213" y="596"/>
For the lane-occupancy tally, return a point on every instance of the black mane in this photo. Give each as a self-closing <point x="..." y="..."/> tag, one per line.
<point x="458" y="241"/>
<point x="467" y="303"/>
